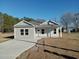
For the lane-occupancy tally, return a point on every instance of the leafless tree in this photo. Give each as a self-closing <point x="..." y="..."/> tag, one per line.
<point x="76" y="21"/>
<point x="66" y="20"/>
<point x="70" y="18"/>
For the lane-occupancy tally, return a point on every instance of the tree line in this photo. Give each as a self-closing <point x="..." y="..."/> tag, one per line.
<point x="66" y="20"/>
<point x="70" y="20"/>
<point x="7" y="22"/>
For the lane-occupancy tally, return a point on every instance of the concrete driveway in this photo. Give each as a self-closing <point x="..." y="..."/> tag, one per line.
<point x="13" y="48"/>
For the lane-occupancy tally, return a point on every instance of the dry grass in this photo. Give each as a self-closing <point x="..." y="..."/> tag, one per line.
<point x="3" y="36"/>
<point x="63" y="48"/>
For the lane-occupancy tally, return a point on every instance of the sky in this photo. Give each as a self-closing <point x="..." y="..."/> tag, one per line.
<point x="43" y="9"/>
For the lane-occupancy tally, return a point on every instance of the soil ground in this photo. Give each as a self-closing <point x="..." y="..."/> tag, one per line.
<point x="5" y="36"/>
<point x="61" y="48"/>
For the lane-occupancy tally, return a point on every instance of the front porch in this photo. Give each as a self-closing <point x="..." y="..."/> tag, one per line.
<point x="48" y="32"/>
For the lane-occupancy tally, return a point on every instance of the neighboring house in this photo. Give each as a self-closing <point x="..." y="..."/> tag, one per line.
<point x="30" y="31"/>
<point x="69" y="29"/>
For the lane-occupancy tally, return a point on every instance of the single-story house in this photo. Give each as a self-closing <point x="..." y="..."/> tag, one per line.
<point x="70" y="28"/>
<point x="30" y="31"/>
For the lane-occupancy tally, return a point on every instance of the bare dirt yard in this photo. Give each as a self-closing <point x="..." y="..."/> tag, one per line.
<point x="5" y="37"/>
<point x="51" y="48"/>
<point x="66" y="47"/>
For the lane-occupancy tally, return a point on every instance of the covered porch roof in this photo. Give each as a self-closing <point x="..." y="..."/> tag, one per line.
<point x="48" y="24"/>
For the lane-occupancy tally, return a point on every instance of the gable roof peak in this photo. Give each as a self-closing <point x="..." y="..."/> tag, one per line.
<point x="23" y="23"/>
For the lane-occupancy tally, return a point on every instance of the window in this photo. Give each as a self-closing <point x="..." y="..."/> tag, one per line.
<point x="59" y="30"/>
<point x="22" y="31"/>
<point x="54" y="31"/>
<point x="42" y="31"/>
<point x="26" y="31"/>
<point x="38" y="30"/>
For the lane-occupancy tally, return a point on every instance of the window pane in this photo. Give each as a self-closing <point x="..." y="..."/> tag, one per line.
<point x="42" y="31"/>
<point x="54" y="31"/>
<point x="22" y="31"/>
<point x="38" y="30"/>
<point x="26" y="31"/>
